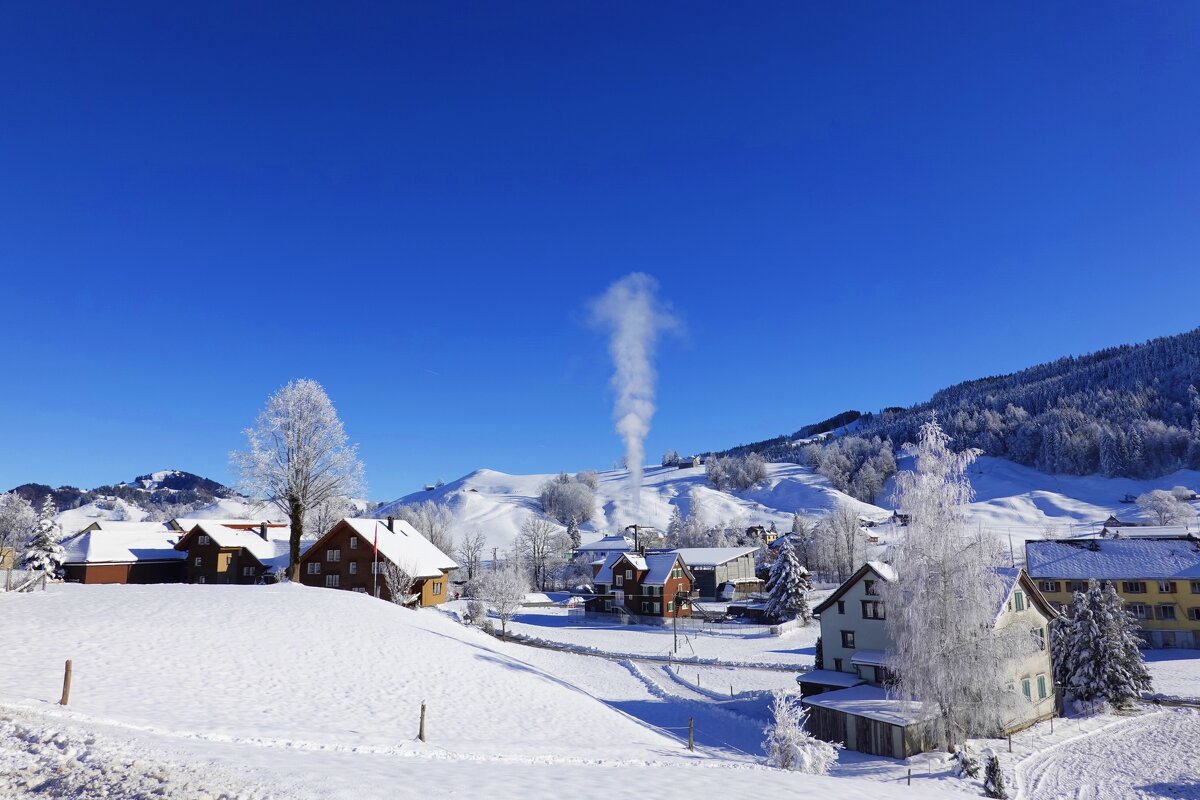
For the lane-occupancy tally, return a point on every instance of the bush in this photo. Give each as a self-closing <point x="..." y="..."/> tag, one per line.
<point x="566" y="498"/>
<point x="736" y="473"/>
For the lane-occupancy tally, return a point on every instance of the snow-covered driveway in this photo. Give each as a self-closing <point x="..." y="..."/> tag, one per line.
<point x="1151" y="756"/>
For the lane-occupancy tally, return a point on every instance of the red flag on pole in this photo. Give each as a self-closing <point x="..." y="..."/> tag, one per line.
<point x="375" y="567"/>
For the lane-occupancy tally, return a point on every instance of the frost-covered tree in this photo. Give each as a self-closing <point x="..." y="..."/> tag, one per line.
<point x="838" y="543"/>
<point x="993" y="778"/>
<point x="470" y="552"/>
<point x="17" y="522"/>
<point x="1096" y="649"/>
<point x="589" y="478"/>
<point x="399" y="579"/>
<point x="543" y="546"/>
<point x="565" y="498"/>
<point x="299" y="457"/>
<point x="573" y="535"/>
<point x="43" y="553"/>
<point x="674" y="527"/>
<point x="1166" y="508"/>
<point x="736" y="473"/>
<point x="319" y="520"/>
<point x="505" y="591"/>
<point x="942" y="608"/>
<point x="434" y="521"/>
<point x="670" y="458"/>
<point x="786" y="588"/>
<point x="788" y="743"/>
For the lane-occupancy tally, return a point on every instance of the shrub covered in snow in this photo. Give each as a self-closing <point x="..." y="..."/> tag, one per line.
<point x="567" y="498"/>
<point x="790" y="746"/>
<point x="1096" y="649"/>
<point x="736" y="472"/>
<point x="43" y="553"/>
<point x="993" y="778"/>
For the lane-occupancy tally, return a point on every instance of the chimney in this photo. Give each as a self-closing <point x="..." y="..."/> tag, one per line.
<point x="391" y="523"/>
<point x="262" y="531"/>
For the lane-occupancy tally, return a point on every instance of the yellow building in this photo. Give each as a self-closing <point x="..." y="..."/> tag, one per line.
<point x="1158" y="578"/>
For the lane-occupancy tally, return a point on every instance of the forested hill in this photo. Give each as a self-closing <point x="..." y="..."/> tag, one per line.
<point x="1128" y="411"/>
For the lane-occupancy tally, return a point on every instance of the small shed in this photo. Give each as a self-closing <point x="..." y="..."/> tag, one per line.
<point x="866" y="719"/>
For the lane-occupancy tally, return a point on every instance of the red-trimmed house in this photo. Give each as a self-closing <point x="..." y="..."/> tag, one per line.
<point x="654" y="585"/>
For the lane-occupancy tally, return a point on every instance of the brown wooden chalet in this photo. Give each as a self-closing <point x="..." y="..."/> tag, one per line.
<point x="123" y="552"/>
<point x="355" y="553"/>
<point x="232" y="552"/>
<point x="648" y="585"/>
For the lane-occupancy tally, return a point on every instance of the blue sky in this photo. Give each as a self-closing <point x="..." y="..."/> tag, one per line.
<point x="849" y="205"/>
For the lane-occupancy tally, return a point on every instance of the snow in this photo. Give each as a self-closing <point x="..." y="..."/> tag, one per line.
<point x="829" y="677"/>
<point x="712" y="556"/>
<point x="659" y="566"/>
<point x="1113" y="559"/>
<point x="1174" y="672"/>
<point x="871" y="702"/>
<point x="106" y="547"/>
<point x="288" y="691"/>
<point x="874" y="658"/>
<point x="265" y="550"/>
<point x="404" y="546"/>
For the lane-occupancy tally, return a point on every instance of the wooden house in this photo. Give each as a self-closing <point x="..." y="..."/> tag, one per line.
<point x="233" y="551"/>
<point x="355" y="554"/>
<point x="649" y="586"/>
<point x="123" y="552"/>
<point x="714" y="567"/>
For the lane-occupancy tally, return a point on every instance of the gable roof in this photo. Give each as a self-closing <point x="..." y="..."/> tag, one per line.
<point x="248" y="539"/>
<point x="1113" y="559"/>
<point x="659" y="566"/>
<point x="147" y="542"/>
<point x="711" y="556"/>
<point x="1011" y="578"/>
<point x="610" y="542"/>
<point x="873" y="567"/>
<point x="403" y="546"/>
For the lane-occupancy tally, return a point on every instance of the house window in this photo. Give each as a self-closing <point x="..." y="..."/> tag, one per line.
<point x="1025" y="689"/>
<point x="671" y="607"/>
<point x="333" y="555"/>
<point x="837" y="665"/>
<point x="1195" y="587"/>
<point x="1048" y="586"/>
<point x="628" y="574"/>
<point x="314" y="568"/>
<point x="331" y="581"/>
<point x="1041" y="687"/>
<point x="1194" y="614"/>
<point x="645" y="608"/>
<point x="199" y="561"/>
<point x="1039" y="636"/>
<point x="1166" y="587"/>
<point x="872" y="609"/>
<point x="437" y="588"/>
<point x="361" y="589"/>
<point x="1139" y="610"/>
<point x="378" y="568"/>
<point x="620" y="580"/>
<point x="203" y="539"/>
<point x="869" y="588"/>
<point x="848" y="640"/>
<point x="1076" y="586"/>
<point x="677" y="573"/>
<point x="658" y="608"/>
<point x="1019" y="599"/>
<point x="1164" y="612"/>
<point x="200" y="579"/>
<point x="1134" y="587"/>
<point x="353" y="567"/>
<point x="247" y="572"/>
<point x="353" y="542"/>
<point x="841" y="606"/>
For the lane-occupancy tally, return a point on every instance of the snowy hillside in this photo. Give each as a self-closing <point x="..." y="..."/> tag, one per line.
<point x="1010" y="498"/>
<point x="287" y="691"/>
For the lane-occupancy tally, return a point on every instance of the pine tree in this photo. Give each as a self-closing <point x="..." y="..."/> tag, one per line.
<point x="1125" y="676"/>
<point x="786" y="586"/>
<point x="1079" y="647"/>
<point x="573" y="533"/>
<point x="993" y="779"/>
<point x="43" y="553"/>
<point x="675" y="528"/>
<point x="819" y="655"/>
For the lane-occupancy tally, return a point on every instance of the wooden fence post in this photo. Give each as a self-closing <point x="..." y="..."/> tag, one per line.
<point x="691" y="734"/>
<point x="421" y="731"/>
<point x="1010" y="743"/>
<point x="66" y="695"/>
<point x="910" y="776"/>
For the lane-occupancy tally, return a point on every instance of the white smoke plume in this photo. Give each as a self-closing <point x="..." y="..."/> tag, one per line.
<point x="632" y="313"/>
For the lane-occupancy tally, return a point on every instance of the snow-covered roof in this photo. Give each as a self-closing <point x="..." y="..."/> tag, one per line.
<point x="871" y="702"/>
<point x="1130" y="531"/>
<point x="612" y="542"/>
<point x="711" y="556"/>
<point x="126" y="526"/>
<point x="829" y="677"/>
<point x="1113" y="559"/>
<point x="224" y="536"/>
<point x="659" y="566"/>
<point x="151" y="542"/>
<point x="883" y="570"/>
<point x="872" y="658"/>
<point x="404" y="546"/>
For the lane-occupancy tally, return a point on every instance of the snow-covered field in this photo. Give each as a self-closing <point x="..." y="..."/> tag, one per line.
<point x="1175" y="673"/>
<point x="286" y="691"/>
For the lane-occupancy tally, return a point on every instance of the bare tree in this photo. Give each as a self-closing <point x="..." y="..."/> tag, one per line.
<point x="320" y="519"/>
<point x="1166" y="507"/>
<point x="543" y="545"/>
<point x="839" y="543"/>
<point x="432" y="520"/>
<point x="505" y="591"/>
<point x="399" y="580"/>
<point x="470" y="555"/>
<point x="298" y="457"/>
